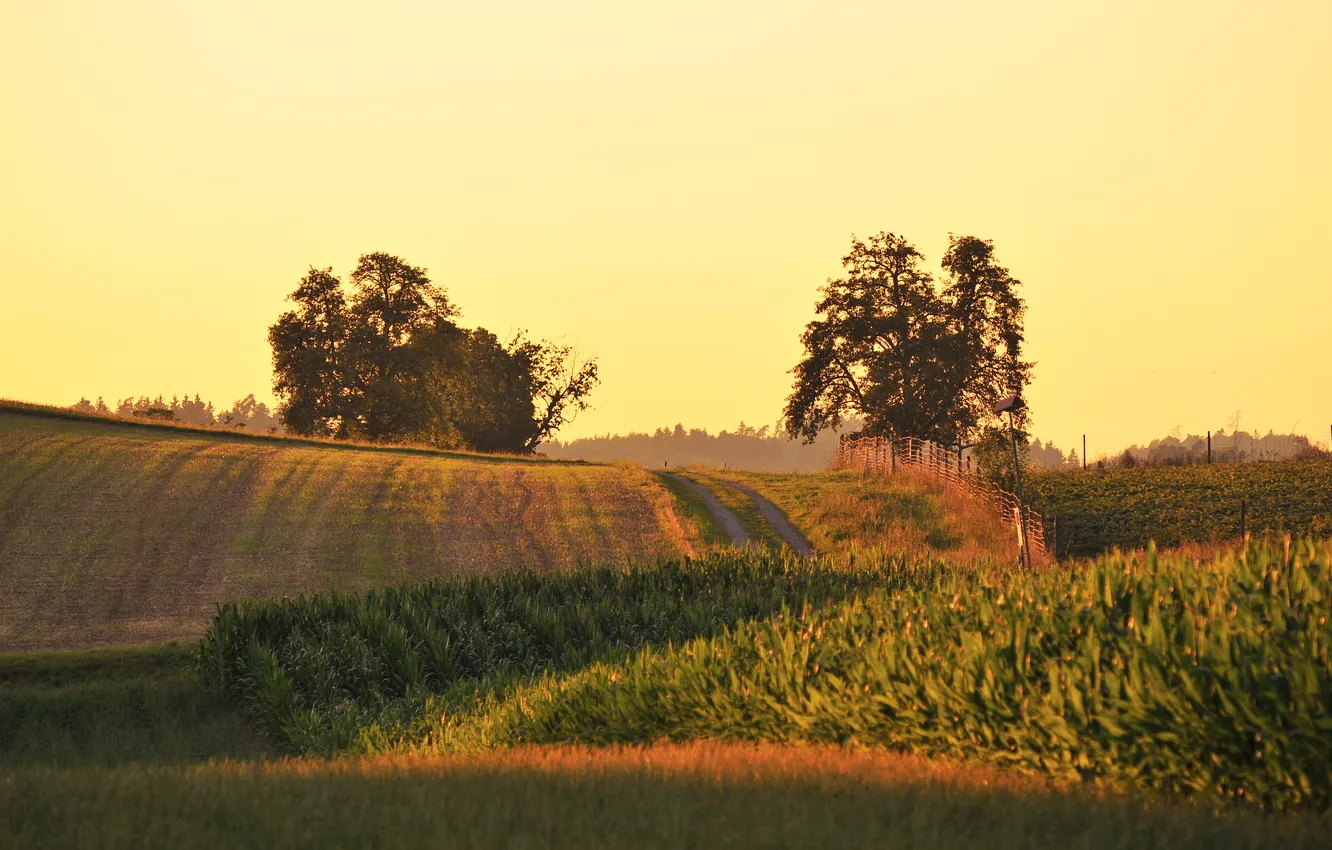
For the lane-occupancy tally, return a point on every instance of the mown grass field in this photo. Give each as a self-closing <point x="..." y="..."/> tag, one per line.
<point x="117" y="534"/>
<point x="1096" y="510"/>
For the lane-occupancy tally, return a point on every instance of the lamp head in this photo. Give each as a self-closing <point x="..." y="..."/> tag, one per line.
<point x="1012" y="404"/>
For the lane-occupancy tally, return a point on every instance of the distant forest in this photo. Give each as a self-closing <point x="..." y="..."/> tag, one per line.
<point x="767" y="448"/>
<point x="770" y="448"/>
<point x="246" y="414"/>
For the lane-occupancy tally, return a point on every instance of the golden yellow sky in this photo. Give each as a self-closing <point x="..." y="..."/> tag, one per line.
<point x="668" y="185"/>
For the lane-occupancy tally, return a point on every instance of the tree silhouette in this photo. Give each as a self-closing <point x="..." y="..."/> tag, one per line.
<point x="909" y="357"/>
<point x="389" y="363"/>
<point x="309" y="357"/>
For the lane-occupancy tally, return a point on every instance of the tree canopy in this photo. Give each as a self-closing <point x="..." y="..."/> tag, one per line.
<point x="387" y="362"/>
<point x="909" y="355"/>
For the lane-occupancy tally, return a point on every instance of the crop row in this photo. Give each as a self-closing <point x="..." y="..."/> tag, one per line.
<point x="315" y="670"/>
<point x="1169" y="675"/>
<point x="1096" y="510"/>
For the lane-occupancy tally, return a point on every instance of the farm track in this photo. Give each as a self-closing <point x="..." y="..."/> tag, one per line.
<point x="732" y="524"/>
<point x="789" y="533"/>
<point x="728" y="521"/>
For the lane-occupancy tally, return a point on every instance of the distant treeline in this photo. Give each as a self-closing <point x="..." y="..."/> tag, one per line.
<point x="252" y="416"/>
<point x="771" y="448"/>
<point x="765" y="448"/>
<point x="1175" y="450"/>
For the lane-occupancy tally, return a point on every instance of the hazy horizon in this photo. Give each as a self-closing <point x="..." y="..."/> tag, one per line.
<point x="668" y="187"/>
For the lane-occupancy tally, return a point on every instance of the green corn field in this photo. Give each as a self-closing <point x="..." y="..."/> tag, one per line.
<point x="1207" y="679"/>
<point x="1095" y="510"/>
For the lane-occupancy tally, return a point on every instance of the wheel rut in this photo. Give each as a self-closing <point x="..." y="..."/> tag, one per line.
<point x="788" y="532"/>
<point x="728" y="521"/>
<point x="732" y="525"/>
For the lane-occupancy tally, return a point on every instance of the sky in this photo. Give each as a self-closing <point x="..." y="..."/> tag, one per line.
<point x="666" y="186"/>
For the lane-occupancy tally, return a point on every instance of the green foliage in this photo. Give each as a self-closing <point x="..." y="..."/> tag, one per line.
<point x="1100" y="509"/>
<point x="911" y="359"/>
<point x="993" y="454"/>
<point x="390" y="364"/>
<point x="315" y="670"/>
<point x="1168" y="675"/>
<point x="1209" y="680"/>
<point x="113" y="707"/>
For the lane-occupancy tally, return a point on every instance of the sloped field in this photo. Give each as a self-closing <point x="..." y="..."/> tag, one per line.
<point x="113" y="534"/>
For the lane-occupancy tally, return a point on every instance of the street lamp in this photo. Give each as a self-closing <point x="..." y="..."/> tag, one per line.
<point x="1011" y="405"/>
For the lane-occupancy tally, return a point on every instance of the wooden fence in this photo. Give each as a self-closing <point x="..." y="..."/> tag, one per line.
<point x="883" y="456"/>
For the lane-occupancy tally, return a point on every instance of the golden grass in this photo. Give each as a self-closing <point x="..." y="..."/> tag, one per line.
<point x="840" y="512"/>
<point x="718" y="763"/>
<point x="118" y="535"/>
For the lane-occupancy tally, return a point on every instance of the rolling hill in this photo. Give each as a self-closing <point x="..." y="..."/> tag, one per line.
<point x="122" y="533"/>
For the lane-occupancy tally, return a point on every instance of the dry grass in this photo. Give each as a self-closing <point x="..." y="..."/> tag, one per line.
<point x="715" y="763"/>
<point x="120" y="535"/>
<point x="840" y="512"/>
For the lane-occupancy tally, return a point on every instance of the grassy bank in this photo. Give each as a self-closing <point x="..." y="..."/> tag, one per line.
<point x="840" y="512"/>
<point x="1100" y="509"/>
<point x="698" y="524"/>
<point x="121" y="748"/>
<point x="112" y="533"/>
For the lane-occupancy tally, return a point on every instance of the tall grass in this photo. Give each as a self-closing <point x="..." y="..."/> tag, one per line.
<point x="113" y="707"/>
<point x="656" y="798"/>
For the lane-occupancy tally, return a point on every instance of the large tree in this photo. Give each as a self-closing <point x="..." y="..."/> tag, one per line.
<point x="390" y="364"/>
<point x="392" y="306"/>
<point x="310" y="358"/>
<point x="561" y="381"/>
<point x="909" y="356"/>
